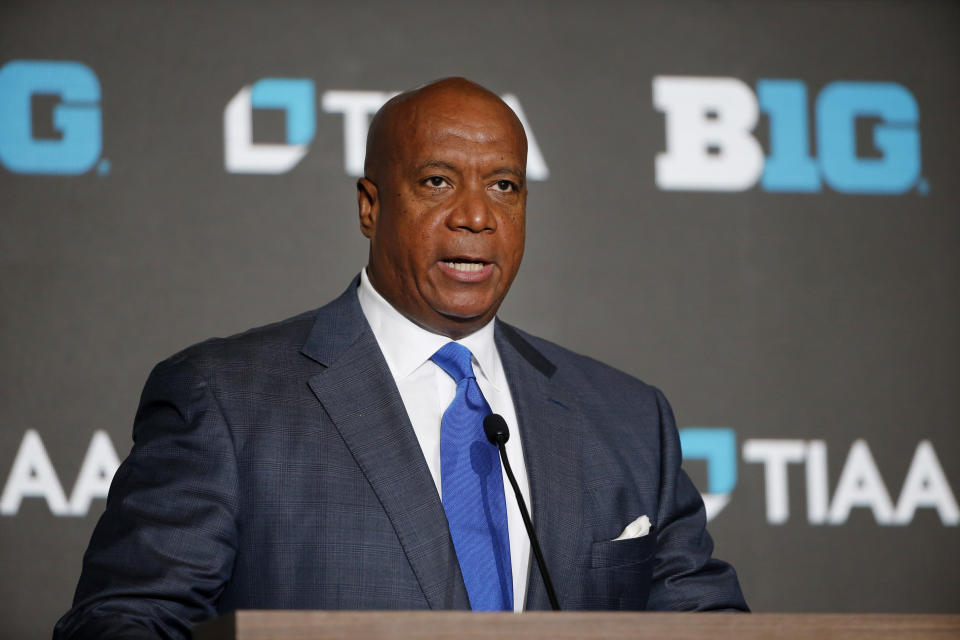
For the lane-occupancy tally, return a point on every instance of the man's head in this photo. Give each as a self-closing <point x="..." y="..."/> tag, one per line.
<point x="443" y="203"/>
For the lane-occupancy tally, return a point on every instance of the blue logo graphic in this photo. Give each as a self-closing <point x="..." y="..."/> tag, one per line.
<point x="718" y="447"/>
<point x="296" y="97"/>
<point x="789" y="167"/>
<point x="76" y="118"/>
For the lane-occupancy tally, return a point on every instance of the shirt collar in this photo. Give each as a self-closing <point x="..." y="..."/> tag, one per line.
<point x="406" y="345"/>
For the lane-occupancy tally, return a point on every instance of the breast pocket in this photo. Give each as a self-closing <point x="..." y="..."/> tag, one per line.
<point x="620" y="572"/>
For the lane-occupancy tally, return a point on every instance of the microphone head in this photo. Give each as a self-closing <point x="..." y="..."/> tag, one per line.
<point x="496" y="429"/>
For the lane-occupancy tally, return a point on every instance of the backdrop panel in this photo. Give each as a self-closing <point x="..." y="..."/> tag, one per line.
<point x="751" y="205"/>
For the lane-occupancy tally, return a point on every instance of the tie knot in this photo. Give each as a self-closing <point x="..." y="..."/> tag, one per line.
<point x="455" y="359"/>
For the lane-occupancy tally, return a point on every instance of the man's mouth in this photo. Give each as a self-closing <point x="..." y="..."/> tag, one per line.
<point x="466" y="270"/>
<point x="465" y="266"/>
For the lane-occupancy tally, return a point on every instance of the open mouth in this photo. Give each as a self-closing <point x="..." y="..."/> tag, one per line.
<point x="466" y="270"/>
<point x="465" y="267"/>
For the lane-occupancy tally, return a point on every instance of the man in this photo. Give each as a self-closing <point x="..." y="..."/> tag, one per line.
<point x="308" y="464"/>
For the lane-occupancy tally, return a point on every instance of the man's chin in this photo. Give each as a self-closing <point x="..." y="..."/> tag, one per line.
<point x="457" y="322"/>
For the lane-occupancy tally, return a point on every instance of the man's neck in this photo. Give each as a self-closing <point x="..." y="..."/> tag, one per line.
<point x="405" y="344"/>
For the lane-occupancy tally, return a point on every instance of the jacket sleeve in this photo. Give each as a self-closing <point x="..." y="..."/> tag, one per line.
<point x="685" y="576"/>
<point x="164" y="548"/>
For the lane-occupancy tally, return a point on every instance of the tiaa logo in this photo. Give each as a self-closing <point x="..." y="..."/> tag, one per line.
<point x="74" y="144"/>
<point x="860" y="484"/>
<point x="297" y="99"/>
<point x="710" y="142"/>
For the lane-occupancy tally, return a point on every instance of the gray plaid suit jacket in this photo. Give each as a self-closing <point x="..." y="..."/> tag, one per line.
<point x="277" y="469"/>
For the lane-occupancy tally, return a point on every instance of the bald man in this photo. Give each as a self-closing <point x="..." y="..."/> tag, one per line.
<point x="313" y="463"/>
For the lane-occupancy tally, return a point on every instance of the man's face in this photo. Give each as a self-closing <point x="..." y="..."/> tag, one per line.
<point x="445" y="217"/>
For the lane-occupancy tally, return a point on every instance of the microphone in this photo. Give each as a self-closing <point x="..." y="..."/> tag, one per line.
<point x="498" y="433"/>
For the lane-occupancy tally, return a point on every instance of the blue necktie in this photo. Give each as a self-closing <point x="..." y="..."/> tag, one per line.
<point x="473" y="488"/>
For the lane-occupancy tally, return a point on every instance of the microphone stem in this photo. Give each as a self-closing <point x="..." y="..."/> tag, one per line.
<point x="551" y="594"/>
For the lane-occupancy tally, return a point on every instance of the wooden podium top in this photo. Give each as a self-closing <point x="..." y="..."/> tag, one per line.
<point x="434" y="625"/>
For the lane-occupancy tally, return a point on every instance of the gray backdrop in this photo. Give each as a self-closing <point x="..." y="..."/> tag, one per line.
<point x="819" y="328"/>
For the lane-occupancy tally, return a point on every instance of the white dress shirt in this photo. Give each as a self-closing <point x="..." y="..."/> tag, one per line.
<point x="427" y="391"/>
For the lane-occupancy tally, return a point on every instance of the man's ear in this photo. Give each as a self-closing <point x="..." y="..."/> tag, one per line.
<point x="368" y="201"/>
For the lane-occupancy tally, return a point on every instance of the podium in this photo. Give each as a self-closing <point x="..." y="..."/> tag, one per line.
<point x="572" y="625"/>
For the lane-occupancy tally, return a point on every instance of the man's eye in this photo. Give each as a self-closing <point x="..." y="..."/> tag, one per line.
<point x="504" y="185"/>
<point x="435" y="181"/>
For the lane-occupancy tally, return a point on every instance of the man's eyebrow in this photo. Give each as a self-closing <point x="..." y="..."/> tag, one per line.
<point x="519" y="175"/>
<point x="436" y="164"/>
<point x="443" y="164"/>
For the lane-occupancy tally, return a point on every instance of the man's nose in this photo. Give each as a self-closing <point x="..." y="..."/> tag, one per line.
<point x="473" y="211"/>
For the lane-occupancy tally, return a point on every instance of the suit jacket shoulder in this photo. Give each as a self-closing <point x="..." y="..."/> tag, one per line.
<point x="262" y="345"/>
<point x="592" y="384"/>
<point x="581" y="369"/>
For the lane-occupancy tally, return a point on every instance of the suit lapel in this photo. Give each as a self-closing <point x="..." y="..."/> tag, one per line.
<point x="361" y="398"/>
<point x="550" y="428"/>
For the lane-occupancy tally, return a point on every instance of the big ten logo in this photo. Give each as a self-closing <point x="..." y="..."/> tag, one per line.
<point x="50" y="119"/>
<point x="296" y="98"/>
<point x="860" y="484"/>
<point x="866" y="136"/>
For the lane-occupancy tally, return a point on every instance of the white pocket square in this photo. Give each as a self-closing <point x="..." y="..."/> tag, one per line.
<point x="636" y="529"/>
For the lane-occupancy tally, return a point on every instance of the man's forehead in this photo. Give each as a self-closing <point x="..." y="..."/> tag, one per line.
<point x="460" y="148"/>
<point x="451" y="115"/>
<point x="457" y="126"/>
<point x="477" y="117"/>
